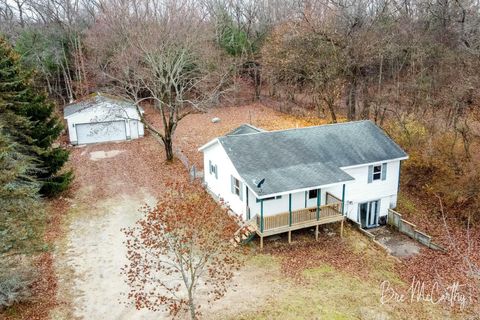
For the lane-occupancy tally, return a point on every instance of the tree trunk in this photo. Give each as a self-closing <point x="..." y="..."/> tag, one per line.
<point x="366" y="103"/>
<point x="351" y="100"/>
<point x="191" y="306"/>
<point x="167" y="141"/>
<point x="257" y="82"/>
<point x="331" y="108"/>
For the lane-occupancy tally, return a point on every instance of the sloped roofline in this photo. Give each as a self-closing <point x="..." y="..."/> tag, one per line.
<point x="91" y="97"/>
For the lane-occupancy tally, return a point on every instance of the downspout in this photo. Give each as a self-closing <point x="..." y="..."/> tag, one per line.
<point x="399" y="170"/>
<point x="248" y="208"/>
<point x="343" y="199"/>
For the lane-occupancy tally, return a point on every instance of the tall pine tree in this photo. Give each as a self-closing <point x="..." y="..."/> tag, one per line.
<point x="21" y="210"/>
<point x="36" y="125"/>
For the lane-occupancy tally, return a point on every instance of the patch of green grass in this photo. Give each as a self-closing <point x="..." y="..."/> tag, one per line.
<point x="381" y="266"/>
<point x="263" y="261"/>
<point x="405" y="205"/>
<point x="329" y="292"/>
<point x="311" y="273"/>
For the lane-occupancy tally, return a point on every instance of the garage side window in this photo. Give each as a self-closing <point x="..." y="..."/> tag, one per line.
<point x="213" y="169"/>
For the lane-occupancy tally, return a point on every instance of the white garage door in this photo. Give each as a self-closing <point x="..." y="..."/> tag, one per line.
<point x="101" y="132"/>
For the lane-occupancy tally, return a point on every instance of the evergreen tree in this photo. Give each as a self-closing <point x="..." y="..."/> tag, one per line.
<point x="37" y="126"/>
<point x="21" y="212"/>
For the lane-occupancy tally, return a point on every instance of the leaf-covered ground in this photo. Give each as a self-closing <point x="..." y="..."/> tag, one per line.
<point x="332" y="278"/>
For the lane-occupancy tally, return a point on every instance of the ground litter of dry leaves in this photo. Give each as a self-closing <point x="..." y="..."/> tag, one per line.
<point x="140" y="164"/>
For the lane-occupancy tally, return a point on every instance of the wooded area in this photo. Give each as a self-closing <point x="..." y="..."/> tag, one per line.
<point x="410" y="66"/>
<point x="414" y="62"/>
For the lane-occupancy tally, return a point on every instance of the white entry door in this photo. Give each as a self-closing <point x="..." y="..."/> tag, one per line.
<point x="101" y="132"/>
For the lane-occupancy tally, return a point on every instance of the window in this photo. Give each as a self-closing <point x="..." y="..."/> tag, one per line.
<point x="377" y="172"/>
<point x="236" y="186"/>
<point x="312" y="194"/>
<point x="213" y="169"/>
<point x="270" y="198"/>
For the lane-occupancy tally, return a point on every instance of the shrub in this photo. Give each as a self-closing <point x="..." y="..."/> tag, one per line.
<point x="16" y="278"/>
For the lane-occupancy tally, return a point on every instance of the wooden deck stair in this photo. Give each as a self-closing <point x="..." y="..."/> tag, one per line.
<point x="244" y="234"/>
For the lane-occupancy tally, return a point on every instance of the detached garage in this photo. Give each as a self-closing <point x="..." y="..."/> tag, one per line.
<point x="102" y="118"/>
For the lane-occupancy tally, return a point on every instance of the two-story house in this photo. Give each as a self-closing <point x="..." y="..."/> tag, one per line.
<point x="297" y="178"/>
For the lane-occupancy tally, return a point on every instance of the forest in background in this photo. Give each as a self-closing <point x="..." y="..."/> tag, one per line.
<point x="412" y="67"/>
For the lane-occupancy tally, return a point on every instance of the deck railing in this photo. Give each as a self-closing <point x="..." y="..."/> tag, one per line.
<point x="299" y="216"/>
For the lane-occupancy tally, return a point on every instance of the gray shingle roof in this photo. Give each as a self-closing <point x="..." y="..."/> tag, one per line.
<point x="95" y="99"/>
<point x="307" y="157"/>
<point x="244" y="129"/>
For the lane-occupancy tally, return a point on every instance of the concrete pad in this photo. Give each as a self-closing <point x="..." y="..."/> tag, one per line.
<point x="400" y="245"/>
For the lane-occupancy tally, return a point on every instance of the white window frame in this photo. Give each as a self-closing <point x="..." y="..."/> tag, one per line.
<point x="375" y="173"/>
<point x="213" y="169"/>
<point x="236" y="186"/>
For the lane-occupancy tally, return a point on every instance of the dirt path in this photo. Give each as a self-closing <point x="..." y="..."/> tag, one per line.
<point x="112" y="182"/>
<point x="95" y="252"/>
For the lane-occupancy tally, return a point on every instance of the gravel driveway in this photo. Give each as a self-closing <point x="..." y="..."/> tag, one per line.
<point x="112" y="182"/>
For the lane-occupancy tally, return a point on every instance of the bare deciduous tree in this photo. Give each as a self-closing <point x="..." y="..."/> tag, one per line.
<point x="181" y="245"/>
<point x="166" y="57"/>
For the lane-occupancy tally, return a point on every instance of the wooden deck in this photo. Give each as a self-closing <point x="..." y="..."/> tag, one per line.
<point x="298" y="219"/>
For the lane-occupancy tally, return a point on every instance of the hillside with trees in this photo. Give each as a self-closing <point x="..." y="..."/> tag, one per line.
<point x="412" y="67"/>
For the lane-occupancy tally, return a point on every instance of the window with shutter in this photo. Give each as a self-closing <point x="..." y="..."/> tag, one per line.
<point x="213" y="169"/>
<point x="236" y="187"/>
<point x="377" y="172"/>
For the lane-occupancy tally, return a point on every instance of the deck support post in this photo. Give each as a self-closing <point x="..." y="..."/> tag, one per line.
<point x="261" y="217"/>
<point x="290" y="209"/>
<point x="319" y="194"/>
<point x="341" y="228"/>
<point x="316" y="232"/>
<point x="290" y="217"/>
<point x="261" y="242"/>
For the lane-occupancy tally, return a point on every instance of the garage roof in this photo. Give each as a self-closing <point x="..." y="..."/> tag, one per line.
<point x="244" y="129"/>
<point x="95" y="99"/>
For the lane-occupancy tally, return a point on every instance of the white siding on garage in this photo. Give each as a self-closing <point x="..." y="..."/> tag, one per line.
<point x="104" y="113"/>
<point x="133" y="129"/>
<point x="101" y="132"/>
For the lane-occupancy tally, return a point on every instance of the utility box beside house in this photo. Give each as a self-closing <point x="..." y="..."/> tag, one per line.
<point x="102" y="118"/>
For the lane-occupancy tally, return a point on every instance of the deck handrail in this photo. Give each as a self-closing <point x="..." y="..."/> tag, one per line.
<point x="299" y="216"/>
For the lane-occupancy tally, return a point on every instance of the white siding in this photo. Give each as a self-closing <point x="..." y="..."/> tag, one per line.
<point x="356" y="192"/>
<point x="221" y="186"/>
<point x="104" y="112"/>
<point x="361" y="191"/>
<point x="299" y="199"/>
